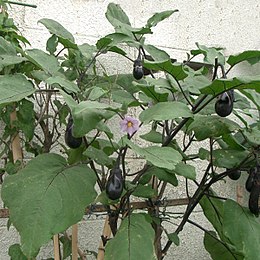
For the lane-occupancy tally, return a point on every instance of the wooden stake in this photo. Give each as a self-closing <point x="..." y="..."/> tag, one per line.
<point x="16" y="145"/>
<point x="74" y="242"/>
<point x="56" y="245"/>
<point x="106" y="234"/>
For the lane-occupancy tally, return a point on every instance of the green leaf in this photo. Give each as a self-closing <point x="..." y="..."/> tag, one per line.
<point x="237" y="227"/>
<point x="176" y="70"/>
<point x="52" y="43"/>
<point x="210" y="54"/>
<point x="251" y="56"/>
<point x="213" y="209"/>
<point x="88" y="114"/>
<point x="242" y="229"/>
<point x="103" y="43"/>
<point x="6" y="48"/>
<point x="152" y="93"/>
<point x="211" y="126"/>
<point x="219" y="250"/>
<point x="158" y="17"/>
<point x="221" y="85"/>
<point x="14" y="88"/>
<point x="174" y="238"/>
<point x="193" y="83"/>
<point x="185" y="170"/>
<point x="134" y="240"/>
<point x="253" y="96"/>
<point x="144" y="191"/>
<point x="116" y="15"/>
<point x="161" y="174"/>
<point x="153" y="136"/>
<point x="25" y="116"/>
<point x="16" y="253"/>
<point x="226" y="158"/>
<point x="157" y="54"/>
<point x="162" y="157"/>
<point x="58" y="81"/>
<point x="46" y="62"/>
<point x="66" y="247"/>
<point x="7" y="60"/>
<point x="252" y="135"/>
<point x="66" y="38"/>
<point x="98" y="156"/>
<point x="46" y="197"/>
<point x="165" y="111"/>
<point x="124" y="97"/>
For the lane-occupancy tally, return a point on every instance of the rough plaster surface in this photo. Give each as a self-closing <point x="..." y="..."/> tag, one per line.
<point x="232" y="24"/>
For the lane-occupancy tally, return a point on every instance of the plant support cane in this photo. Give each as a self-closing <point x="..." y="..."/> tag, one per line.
<point x="74" y="242"/>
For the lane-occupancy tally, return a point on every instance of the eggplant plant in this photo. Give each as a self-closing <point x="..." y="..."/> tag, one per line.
<point x="62" y="92"/>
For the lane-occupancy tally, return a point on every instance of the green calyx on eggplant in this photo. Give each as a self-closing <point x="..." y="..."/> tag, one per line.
<point x="138" y="70"/>
<point x="224" y="103"/>
<point x="115" y="183"/>
<point x="70" y="140"/>
<point x="234" y="174"/>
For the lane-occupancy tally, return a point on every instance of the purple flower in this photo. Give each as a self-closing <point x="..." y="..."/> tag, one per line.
<point x="129" y="125"/>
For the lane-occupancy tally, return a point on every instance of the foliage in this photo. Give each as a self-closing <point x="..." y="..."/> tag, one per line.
<point x="64" y="85"/>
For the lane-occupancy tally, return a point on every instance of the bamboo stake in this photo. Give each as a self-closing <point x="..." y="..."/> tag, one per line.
<point x="15" y="144"/>
<point x="56" y="245"/>
<point x="74" y="242"/>
<point x="106" y="234"/>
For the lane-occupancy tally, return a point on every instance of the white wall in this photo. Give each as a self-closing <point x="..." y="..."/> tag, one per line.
<point x="233" y="24"/>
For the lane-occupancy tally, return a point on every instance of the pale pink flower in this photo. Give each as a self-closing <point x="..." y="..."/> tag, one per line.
<point x="129" y="125"/>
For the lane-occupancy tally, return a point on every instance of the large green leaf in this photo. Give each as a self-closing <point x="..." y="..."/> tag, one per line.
<point x="211" y="126"/>
<point x="65" y="37"/>
<point x="221" y="85"/>
<point x="116" y="14"/>
<point x="161" y="174"/>
<point x="253" y="96"/>
<point x="88" y="114"/>
<point x="58" y="81"/>
<point x="253" y="135"/>
<point x="46" y="62"/>
<point x="165" y="111"/>
<point x="46" y="197"/>
<point x="242" y="228"/>
<point x="6" y="48"/>
<point x="134" y="240"/>
<point x="162" y="157"/>
<point x="251" y="56"/>
<point x="224" y="158"/>
<point x="14" y="88"/>
<point x="237" y="228"/>
<point x="158" y="17"/>
<point x="7" y="60"/>
<point x="185" y="170"/>
<point x="176" y="70"/>
<point x="119" y="19"/>
<point x="219" y="250"/>
<point x="157" y="54"/>
<point x="210" y="54"/>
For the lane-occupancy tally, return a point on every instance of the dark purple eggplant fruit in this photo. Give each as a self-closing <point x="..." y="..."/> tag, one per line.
<point x="115" y="183"/>
<point x="234" y="175"/>
<point x="250" y="179"/>
<point x="254" y="199"/>
<point x="138" y="70"/>
<point x="70" y="140"/>
<point x="224" y="103"/>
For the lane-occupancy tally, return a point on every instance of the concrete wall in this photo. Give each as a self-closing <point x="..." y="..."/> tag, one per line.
<point x="233" y="24"/>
